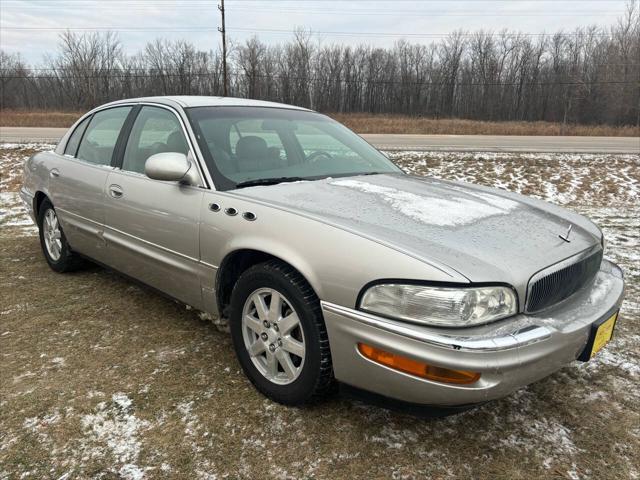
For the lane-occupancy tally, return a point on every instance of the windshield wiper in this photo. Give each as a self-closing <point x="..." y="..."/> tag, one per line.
<point x="268" y="181"/>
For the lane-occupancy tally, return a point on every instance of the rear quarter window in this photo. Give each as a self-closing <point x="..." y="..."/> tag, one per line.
<point x="74" y="140"/>
<point x="100" y="139"/>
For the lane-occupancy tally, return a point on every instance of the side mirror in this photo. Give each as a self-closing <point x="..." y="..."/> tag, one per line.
<point x="171" y="167"/>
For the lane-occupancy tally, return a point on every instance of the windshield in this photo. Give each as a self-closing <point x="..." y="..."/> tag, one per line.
<point x="246" y="146"/>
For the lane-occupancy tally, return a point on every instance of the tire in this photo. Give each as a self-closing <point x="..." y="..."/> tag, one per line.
<point x="308" y="374"/>
<point x="53" y="242"/>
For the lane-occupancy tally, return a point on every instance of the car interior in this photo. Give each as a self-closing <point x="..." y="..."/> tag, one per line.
<point x="268" y="148"/>
<point x="137" y="152"/>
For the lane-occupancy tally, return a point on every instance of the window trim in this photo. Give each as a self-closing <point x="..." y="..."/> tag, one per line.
<point x="218" y="181"/>
<point x="84" y="118"/>
<point x="221" y="179"/>
<point x="187" y="128"/>
<point x="60" y="148"/>
<point x="195" y="154"/>
<point x="75" y="154"/>
<point x="123" y="138"/>
<point x="125" y="143"/>
<point x="92" y="115"/>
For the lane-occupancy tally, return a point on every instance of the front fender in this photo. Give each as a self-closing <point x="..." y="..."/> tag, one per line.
<point x="336" y="263"/>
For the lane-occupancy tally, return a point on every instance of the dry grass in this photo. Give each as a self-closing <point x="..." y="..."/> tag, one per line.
<point x="368" y="123"/>
<point x="402" y="124"/>
<point x="37" y="118"/>
<point x="75" y="346"/>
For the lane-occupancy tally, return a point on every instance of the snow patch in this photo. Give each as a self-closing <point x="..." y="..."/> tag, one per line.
<point x="221" y="324"/>
<point x="612" y="358"/>
<point x="115" y="425"/>
<point x="552" y="432"/>
<point x="19" y="378"/>
<point x="42" y="146"/>
<point x="189" y="419"/>
<point x="448" y="212"/>
<point x="13" y="212"/>
<point x="58" y="361"/>
<point x="601" y="287"/>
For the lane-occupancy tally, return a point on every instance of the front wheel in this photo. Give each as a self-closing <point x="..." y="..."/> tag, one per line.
<point x="279" y="334"/>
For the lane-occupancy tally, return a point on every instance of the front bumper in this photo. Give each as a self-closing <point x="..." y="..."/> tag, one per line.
<point x="509" y="354"/>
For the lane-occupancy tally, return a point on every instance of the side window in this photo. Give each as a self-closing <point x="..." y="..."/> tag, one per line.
<point x="101" y="136"/>
<point x="74" y="140"/>
<point x="155" y="130"/>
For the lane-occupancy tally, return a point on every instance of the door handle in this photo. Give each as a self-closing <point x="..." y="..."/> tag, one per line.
<point x="115" y="191"/>
<point x="54" y="172"/>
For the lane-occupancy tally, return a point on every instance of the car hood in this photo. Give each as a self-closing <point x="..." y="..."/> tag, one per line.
<point x="484" y="234"/>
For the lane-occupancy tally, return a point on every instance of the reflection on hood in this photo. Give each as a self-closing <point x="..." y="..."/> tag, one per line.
<point x="436" y="210"/>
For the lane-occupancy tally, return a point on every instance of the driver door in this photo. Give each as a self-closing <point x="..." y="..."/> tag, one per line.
<point x="152" y="226"/>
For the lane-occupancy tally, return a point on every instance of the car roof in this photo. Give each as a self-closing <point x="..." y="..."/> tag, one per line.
<point x="187" y="101"/>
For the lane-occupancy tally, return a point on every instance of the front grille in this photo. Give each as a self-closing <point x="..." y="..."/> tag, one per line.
<point x="560" y="284"/>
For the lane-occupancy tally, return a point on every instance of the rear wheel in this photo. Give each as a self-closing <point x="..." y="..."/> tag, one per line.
<point x="279" y="334"/>
<point x="54" y="244"/>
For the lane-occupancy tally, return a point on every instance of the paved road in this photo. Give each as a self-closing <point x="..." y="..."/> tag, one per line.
<point x="31" y="134"/>
<point x="506" y="143"/>
<point x="485" y="143"/>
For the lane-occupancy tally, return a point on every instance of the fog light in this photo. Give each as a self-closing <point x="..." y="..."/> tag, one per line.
<point x="419" y="369"/>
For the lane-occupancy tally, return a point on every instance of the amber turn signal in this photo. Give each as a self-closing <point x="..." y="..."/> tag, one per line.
<point x="419" y="369"/>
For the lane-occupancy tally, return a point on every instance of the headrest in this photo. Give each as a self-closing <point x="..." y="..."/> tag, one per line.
<point x="177" y="143"/>
<point x="251" y="148"/>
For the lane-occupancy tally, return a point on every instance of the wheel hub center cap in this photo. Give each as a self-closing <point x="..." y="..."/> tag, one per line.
<point x="272" y="336"/>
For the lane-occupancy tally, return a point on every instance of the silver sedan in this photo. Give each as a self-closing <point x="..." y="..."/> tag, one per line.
<point x="332" y="266"/>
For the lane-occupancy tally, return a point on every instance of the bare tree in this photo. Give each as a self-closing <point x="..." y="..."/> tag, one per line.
<point x="590" y="75"/>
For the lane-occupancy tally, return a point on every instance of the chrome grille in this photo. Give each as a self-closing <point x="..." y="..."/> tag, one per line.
<point x="551" y="288"/>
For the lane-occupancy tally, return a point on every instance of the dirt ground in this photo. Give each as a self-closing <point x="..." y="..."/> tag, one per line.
<point x="102" y="378"/>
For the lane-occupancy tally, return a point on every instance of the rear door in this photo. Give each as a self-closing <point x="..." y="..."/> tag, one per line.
<point x="78" y="181"/>
<point x="152" y="226"/>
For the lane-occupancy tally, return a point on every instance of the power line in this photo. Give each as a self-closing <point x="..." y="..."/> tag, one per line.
<point x="313" y="32"/>
<point x="359" y="12"/>
<point x="315" y="78"/>
<point x="114" y="29"/>
<point x="272" y="2"/>
<point x="417" y="35"/>
<point x="417" y="13"/>
<point x="161" y="71"/>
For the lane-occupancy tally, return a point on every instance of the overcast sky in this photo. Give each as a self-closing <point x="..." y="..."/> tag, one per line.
<point x="31" y="27"/>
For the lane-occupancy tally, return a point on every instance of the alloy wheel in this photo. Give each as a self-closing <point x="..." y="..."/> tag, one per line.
<point x="52" y="235"/>
<point x="273" y="336"/>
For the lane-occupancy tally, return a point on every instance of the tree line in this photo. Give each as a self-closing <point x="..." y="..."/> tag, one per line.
<point x="590" y="75"/>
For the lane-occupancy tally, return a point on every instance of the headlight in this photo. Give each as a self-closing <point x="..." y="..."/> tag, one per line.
<point x="440" y="306"/>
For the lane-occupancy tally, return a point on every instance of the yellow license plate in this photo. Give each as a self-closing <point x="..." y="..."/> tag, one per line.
<point x="603" y="334"/>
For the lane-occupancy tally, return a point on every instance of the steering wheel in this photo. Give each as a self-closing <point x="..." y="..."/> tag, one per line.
<point x="314" y="156"/>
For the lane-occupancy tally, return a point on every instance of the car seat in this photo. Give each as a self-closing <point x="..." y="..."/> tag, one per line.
<point x="253" y="155"/>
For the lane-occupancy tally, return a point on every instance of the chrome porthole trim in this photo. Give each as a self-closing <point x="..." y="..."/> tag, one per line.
<point x="214" y="207"/>
<point x="232" y="212"/>
<point x="273" y="336"/>
<point x="250" y="216"/>
<point x="52" y="235"/>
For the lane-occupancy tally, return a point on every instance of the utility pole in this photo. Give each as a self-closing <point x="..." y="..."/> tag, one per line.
<point x="224" y="49"/>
